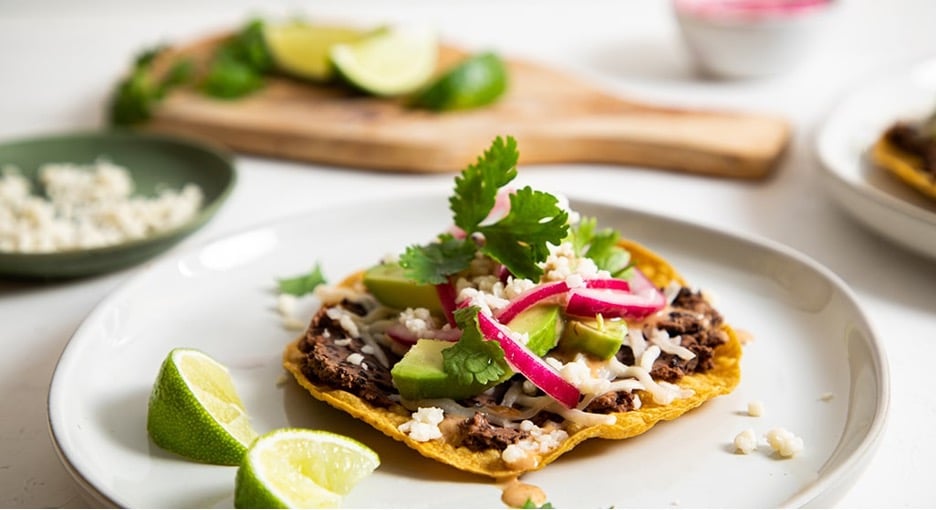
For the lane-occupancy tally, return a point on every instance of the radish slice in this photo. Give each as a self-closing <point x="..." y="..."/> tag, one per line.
<point x="530" y="298"/>
<point x="400" y="333"/>
<point x="611" y="303"/>
<point x="523" y="360"/>
<point x="446" y="293"/>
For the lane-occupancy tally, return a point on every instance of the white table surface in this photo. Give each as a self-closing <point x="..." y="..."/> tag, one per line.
<point x="59" y="60"/>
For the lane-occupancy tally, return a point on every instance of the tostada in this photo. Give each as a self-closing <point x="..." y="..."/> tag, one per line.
<point x="908" y="151"/>
<point x="516" y="334"/>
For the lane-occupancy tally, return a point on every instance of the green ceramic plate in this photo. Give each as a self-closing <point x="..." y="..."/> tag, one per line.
<point x="153" y="160"/>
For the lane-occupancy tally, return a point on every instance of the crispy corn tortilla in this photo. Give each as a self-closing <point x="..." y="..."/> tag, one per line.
<point x="905" y="166"/>
<point x="722" y="379"/>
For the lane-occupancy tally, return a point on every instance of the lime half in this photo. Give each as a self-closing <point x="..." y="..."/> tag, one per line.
<point x="194" y="410"/>
<point x="302" y="49"/>
<point x="301" y="468"/>
<point x="476" y="81"/>
<point x="388" y="62"/>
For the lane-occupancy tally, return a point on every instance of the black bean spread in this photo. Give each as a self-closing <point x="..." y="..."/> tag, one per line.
<point x="336" y="358"/>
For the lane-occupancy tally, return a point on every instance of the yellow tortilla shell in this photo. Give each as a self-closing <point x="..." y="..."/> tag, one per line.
<point x="721" y="379"/>
<point x="905" y="166"/>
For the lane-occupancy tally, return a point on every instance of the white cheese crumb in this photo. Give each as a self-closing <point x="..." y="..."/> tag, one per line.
<point x="784" y="442"/>
<point x="424" y="424"/>
<point x="85" y="206"/>
<point x="286" y="306"/>
<point x="341" y="342"/>
<point x="345" y="319"/>
<point x="282" y="380"/>
<point x="825" y="397"/>
<point x="514" y="455"/>
<point x="367" y="349"/>
<point x="355" y="358"/>
<point x="745" y="442"/>
<point x="755" y="408"/>
<point x="417" y="320"/>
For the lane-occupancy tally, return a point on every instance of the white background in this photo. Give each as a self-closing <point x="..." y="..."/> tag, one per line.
<point x="59" y="60"/>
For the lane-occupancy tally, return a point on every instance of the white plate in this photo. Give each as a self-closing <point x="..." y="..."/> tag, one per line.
<point x="877" y="199"/>
<point x="811" y="339"/>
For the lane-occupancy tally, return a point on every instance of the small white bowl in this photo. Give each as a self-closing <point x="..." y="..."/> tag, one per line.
<point x="750" y="38"/>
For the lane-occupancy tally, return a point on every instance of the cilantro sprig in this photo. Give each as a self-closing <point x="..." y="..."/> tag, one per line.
<point x="601" y="246"/>
<point x="473" y="359"/>
<point x="303" y="284"/>
<point x="518" y="240"/>
<point x="140" y="91"/>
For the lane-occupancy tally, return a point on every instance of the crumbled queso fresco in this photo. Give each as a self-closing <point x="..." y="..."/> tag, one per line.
<point x="424" y="424"/>
<point x="784" y="442"/>
<point x="84" y="206"/>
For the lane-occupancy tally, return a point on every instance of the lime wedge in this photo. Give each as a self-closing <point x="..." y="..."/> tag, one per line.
<point x="301" y="49"/>
<point x="476" y="81"/>
<point x="194" y="410"/>
<point x="301" y="468"/>
<point x="389" y="62"/>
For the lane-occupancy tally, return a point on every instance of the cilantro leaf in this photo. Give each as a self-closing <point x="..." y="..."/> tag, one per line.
<point x="140" y="91"/>
<point x="530" y="504"/>
<point x="249" y="46"/>
<point x="302" y="284"/>
<point x="434" y="262"/>
<point x="229" y="77"/>
<point x="239" y="65"/>
<point x="519" y="240"/>
<point x="473" y="359"/>
<point x="476" y="187"/>
<point x="601" y="246"/>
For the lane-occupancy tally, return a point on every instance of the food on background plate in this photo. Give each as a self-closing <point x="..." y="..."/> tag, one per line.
<point x="81" y="206"/>
<point x="516" y="334"/>
<point x="391" y="61"/>
<point x="908" y="151"/>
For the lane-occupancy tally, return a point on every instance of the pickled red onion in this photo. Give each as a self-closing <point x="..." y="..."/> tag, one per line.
<point x="523" y="360"/>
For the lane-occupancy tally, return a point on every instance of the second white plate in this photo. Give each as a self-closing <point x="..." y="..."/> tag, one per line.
<point x="814" y="362"/>
<point x="875" y="198"/>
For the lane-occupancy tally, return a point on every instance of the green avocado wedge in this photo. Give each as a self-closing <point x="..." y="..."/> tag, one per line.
<point x="392" y="288"/>
<point x="543" y="324"/>
<point x="600" y="339"/>
<point x="420" y="374"/>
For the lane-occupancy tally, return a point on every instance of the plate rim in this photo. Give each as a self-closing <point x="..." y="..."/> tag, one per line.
<point x="855" y="462"/>
<point x="177" y="233"/>
<point x="822" y="145"/>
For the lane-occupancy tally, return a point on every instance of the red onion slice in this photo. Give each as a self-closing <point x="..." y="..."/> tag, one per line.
<point x="533" y="367"/>
<point x="612" y="303"/>
<point x="446" y="293"/>
<point x="540" y="293"/>
<point x="530" y="298"/>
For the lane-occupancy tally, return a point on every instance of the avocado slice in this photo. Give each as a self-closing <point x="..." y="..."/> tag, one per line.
<point x="543" y="324"/>
<point x="388" y="283"/>
<point x="601" y="339"/>
<point x="420" y="374"/>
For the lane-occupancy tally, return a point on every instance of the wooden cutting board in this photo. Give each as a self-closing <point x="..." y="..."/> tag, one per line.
<point x="555" y="117"/>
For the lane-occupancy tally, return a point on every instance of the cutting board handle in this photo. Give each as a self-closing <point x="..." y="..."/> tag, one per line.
<point x="704" y="142"/>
